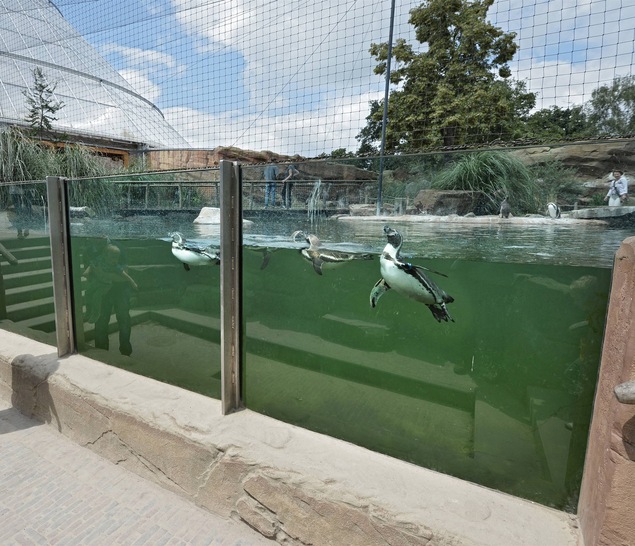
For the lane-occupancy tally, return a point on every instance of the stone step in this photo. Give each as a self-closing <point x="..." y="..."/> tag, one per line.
<point x="45" y="323"/>
<point x="29" y="292"/>
<point x="30" y="309"/>
<point x="503" y="443"/>
<point x="27" y="264"/>
<point x="27" y="278"/>
<point x="549" y="410"/>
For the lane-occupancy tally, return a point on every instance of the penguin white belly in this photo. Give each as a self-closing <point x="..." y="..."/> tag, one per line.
<point x="191" y="258"/>
<point x="405" y="284"/>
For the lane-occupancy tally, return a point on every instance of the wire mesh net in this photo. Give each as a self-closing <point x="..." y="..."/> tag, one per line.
<point x="299" y="77"/>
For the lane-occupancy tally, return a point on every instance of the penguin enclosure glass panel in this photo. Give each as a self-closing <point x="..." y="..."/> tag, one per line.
<point x="26" y="279"/>
<point x="146" y="276"/>
<point x="487" y="373"/>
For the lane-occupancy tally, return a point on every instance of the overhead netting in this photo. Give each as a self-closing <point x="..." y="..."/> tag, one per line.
<point x="298" y="76"/>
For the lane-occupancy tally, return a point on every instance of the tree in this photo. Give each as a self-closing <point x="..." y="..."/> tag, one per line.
<point x="41" y="103"/>
<point x="557" y="123"/>
<point x="611" y="109"/>
<point x="454" y="92"/>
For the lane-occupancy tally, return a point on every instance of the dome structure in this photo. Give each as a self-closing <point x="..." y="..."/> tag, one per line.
<point x="98" y="102"/>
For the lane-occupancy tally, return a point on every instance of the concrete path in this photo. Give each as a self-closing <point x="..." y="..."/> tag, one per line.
<point x="53" y="491"/>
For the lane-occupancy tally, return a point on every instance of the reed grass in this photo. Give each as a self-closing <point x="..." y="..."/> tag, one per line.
<point x="495" y="175"/>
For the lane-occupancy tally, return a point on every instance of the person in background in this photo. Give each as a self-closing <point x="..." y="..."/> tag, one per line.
<point x="618" y="191"/>
<point x="271" y="176"/>
<point x="109" y="287"/>
<point x="291" y="173"/>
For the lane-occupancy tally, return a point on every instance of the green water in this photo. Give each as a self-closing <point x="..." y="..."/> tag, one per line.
<point x="175" y="315"/>
<point x="501" y="397"/>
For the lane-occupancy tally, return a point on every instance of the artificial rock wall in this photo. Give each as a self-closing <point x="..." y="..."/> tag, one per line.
<point x="607" y="499"/>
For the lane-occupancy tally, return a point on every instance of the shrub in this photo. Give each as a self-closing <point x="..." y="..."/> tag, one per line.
<point x="494" y="174"/>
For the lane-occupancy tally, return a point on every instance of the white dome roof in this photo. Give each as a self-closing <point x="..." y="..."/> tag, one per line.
<point x="98" y="101"/>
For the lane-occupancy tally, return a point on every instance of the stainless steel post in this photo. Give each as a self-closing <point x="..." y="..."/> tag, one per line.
<point x="231" y="236"/>
<point x="60" y="261"/>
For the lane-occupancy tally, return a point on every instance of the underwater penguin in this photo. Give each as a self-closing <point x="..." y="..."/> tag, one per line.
<point x="553" y="210"/>
<point x="192" y="254"/>
<point x="408" y="280"/>
<point x="505" y="209"/>
<point x="320" y="256"/>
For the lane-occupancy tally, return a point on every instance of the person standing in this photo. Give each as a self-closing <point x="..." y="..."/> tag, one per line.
<point x="618" y="191"/>
<point x="109" y="287"/>
<point x="271" y="176"/>
<point x="291" y="173"/>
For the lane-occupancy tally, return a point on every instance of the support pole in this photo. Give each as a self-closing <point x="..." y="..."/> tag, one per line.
<point x="384" y="119"/>
<point x="230" y="283"/>
<point x="59" y="225"/>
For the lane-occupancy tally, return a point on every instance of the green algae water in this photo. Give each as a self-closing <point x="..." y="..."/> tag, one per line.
<point x="501" y="397"/>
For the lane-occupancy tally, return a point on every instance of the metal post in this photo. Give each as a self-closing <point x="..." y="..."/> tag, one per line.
<point x="384" y="119"/>
<point x="230" y="283"/>
<point x="59" y="225"/>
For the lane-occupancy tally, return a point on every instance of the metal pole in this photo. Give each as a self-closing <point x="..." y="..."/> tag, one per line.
<point x="230" y="283"/>
<point x="384" y="119"/>
<point x="59" y="232"/>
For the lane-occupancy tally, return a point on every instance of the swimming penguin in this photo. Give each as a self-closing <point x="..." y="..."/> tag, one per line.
<point x="192" y="254"/>
<point x="505" y="209"/>
<point x="553" y="210"/>
<point x="408" y="280"/>
<point x="321" y="256"/>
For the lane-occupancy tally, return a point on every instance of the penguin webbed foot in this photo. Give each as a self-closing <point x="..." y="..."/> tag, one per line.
<point x="186" y="267"/>
<point x="440" y="312"/>
<point x="380" y="288"/>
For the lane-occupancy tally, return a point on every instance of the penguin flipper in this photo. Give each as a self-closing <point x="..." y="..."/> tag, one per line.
<point x="186" y="267"/>
<point x="380" y="288"/>
<point x="317" y="265"/>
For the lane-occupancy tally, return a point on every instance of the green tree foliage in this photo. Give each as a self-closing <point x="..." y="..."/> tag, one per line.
<point x="41" y="103"/>
<point x="555" y="123"/>
<point x="456" y="91"/>
<point x="611" y="110"/>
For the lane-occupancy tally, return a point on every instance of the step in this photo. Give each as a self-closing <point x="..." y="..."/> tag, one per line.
<point x="16" y="244"/>
<point x="30" y="309"/>
<point x="23" y="253"/>
<point x="27" y="264"/>
<point x="44" y="323"/>
<point x="550" y="418"/>
<point x="27" y="278"/>
<point x="137" y="316"/>
<point x="29" y="292"/>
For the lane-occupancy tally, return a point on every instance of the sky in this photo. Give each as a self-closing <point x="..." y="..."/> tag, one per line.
<point x="296" y="77"/>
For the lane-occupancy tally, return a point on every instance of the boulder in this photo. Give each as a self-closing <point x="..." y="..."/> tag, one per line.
<point x="211" y="215"/>
<point x="591" y="160"/>
<point x="445" y="202"/>
<point x="362" y="210"/>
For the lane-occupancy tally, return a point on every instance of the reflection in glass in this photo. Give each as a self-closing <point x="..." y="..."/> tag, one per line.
<point x="137" y="306"/>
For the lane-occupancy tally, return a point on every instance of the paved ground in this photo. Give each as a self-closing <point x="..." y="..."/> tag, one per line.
<point x="53" y="491"/>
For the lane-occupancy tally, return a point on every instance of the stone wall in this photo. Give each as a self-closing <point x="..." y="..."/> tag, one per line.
<point x="292" y="485"/>
<point x="607" y="498"/>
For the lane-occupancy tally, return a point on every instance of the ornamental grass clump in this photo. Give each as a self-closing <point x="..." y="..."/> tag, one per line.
<point x="495" y="175"/>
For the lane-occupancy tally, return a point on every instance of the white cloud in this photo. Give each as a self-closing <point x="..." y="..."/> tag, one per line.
<point x="334" y="126"/>
<point x="304" y="64"/>
<point x="144" y="57"/>
<point x="142" y="84"/>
